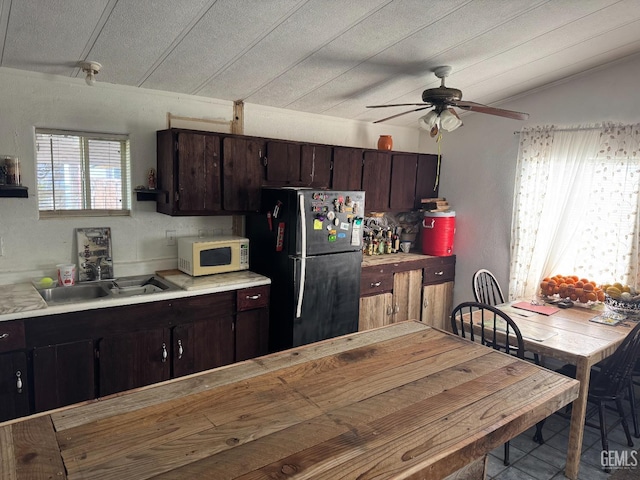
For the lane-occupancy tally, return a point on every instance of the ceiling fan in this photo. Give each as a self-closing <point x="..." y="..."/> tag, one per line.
<point x="442" y="99"/>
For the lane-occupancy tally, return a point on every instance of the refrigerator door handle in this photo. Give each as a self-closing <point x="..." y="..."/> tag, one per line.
<point x="303" y="271"/>
<point x="303" y="226"/>
<point x="303" y="257"/>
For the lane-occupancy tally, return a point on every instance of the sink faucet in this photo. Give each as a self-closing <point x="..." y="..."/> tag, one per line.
<point x="96" y="268"/>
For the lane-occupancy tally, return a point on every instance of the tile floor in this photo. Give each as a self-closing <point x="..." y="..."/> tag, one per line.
<point x="530" y="461"/>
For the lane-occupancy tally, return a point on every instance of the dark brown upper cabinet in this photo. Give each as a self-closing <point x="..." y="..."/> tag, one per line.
<point x="243" y="169"/>
<point x="347" y="168"/>
<point x="403" y="181"/>
<point x="283" y="163"/>
<point x="376" y="180"/>
<point x="315" y="167"/>
<point x="427" y="178"/>
<point x="189" y="170"/>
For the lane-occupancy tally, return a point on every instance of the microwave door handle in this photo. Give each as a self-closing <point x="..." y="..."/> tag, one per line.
<point x="303" y="268"/>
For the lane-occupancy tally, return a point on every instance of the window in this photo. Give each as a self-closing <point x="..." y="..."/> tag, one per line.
<point x="576" y="206"/>
<point x="82" y="173"/>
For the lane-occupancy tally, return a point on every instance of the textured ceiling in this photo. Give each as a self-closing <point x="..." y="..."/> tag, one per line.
<point x="331" y="57"/>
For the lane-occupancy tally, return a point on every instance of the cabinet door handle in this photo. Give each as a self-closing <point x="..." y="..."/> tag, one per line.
<point x="164" y="352"/>
<point x="439" y="273"/>
<point x="426" y="302"/>
<point x="180" y="349"/>
<point x="397" y="309"/>
<point x="389" y="310"/>
<point x="376" y="284"/>
<point x="19" y="381"/>
<point x="254" y="297"/>
<point x="3" y="336"/>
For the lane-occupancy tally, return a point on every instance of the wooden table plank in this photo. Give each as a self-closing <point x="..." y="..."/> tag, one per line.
<point x="29" y="450"/>
<point x="397" y="401"/>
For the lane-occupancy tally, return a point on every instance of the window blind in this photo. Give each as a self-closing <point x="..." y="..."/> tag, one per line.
<point x="82" y="172"/>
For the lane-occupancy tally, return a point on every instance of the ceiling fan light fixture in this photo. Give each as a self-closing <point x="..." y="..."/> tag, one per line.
<point x="91" y="69"/>
<point x="449" y="120"/>
<point x="428" y="121"/>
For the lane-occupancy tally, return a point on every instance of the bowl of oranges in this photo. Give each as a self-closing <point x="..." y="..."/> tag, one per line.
<point x="579" y="290"/>
<point x="621" y="298"/>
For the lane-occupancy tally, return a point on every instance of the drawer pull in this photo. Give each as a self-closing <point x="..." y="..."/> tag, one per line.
<point x="164" y="352"/>
<point x="3" y="336"/>
<point x="439" y="273"/>
<point x="376" y="284"/>
<point x="180" y="349"/>
<point x="19" y="381"/>
<point x="253" y="297"/>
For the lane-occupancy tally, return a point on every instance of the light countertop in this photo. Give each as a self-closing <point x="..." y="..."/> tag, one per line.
<point x="374" y="260"/>
<point x="22" y="300"/>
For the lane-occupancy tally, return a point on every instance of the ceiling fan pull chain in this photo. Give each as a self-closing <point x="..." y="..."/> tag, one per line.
<point x="435" y="185"/>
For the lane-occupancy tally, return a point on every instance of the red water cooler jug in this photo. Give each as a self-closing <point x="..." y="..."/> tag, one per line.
<point x="438" y="229"/>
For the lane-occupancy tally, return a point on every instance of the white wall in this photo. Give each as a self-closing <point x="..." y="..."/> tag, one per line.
<point x="479" y="160"/>
<point x="32" y="247"/>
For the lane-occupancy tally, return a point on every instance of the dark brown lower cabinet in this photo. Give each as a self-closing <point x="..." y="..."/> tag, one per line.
<point x="133" y="359"/>
<point x="252" y="334"/>
<point x="63" y="374"/>
<point x="202" y="345"/>
<point x="56" y="360"/>
<point x="14" y="386"/>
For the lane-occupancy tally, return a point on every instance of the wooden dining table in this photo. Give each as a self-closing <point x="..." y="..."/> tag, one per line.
<point x="405" y="401"/>
<point x="570" y="336"/>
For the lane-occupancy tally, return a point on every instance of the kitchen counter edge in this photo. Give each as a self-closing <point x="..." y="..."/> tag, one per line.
<point x="259" y="280"/>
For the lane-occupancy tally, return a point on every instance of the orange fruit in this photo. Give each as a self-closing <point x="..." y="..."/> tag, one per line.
<point x="591" y="296"/>
<point x="588" y="287"/>
<point x="579" y="284"/>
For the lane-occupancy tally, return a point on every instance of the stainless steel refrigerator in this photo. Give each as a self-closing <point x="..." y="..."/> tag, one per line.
<point x="309" y="243"/>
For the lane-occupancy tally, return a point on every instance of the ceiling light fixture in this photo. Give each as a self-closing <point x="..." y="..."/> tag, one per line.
<point x="91" y="69"/>
<point x="434" y="121"/>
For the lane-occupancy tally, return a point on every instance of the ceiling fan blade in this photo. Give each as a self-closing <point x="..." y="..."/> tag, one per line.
<point x="400" y="105"/>
<point x="478" y="107"/>
<point x="403" y="113"/>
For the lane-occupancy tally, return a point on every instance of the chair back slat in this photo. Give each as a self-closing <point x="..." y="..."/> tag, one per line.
<point x="496" y="329"/>
<point x="486" y="288"/>
<point x="616" y="369"/>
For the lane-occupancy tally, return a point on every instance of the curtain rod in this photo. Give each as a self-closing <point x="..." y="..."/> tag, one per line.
<point x="575" y="129"/>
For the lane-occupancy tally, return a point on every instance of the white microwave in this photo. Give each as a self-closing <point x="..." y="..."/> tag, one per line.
<point x="205" y="256"/>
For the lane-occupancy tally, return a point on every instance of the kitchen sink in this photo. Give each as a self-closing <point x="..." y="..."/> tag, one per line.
<point x="75" y="293"/>
<point x="138" y="285"/>
<point x="103" y="289"/>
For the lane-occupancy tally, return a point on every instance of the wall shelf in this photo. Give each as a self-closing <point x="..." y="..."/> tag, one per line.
<point x="149" y="195"/>
<point x="17" y="191"/>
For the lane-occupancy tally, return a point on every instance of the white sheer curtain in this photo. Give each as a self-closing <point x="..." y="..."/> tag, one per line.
<point x="576" y="206"/>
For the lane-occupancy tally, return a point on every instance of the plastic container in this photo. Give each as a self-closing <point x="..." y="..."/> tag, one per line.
<point x="66" y="274"/>
<point x="438" y="229"/>
<point x="12" y="170"/>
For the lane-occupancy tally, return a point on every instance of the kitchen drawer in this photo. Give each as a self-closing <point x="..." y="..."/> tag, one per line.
<point x="250" y="298"/>
<point x="439" y="270"/>
<point x="375" y="280"/>
<point x="11" y="336"/>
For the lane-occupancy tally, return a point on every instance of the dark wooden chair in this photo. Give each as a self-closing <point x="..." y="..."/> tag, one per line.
<point x="486" y="288"/>
<point x="610" y="381"/>
<point x="494" y="328"/>
<point x="635" y="374"/>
